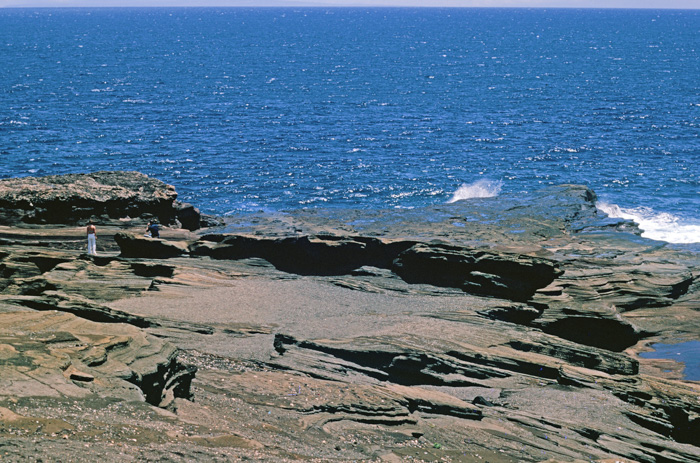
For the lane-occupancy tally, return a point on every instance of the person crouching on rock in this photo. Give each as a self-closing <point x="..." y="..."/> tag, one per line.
<point x="92" y="238"/>
<point x="153" y="229"/>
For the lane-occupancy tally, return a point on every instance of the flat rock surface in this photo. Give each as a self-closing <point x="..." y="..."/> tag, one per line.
<point x="500" y="331"/>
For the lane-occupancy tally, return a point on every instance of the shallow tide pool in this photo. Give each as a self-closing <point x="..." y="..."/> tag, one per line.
<point x="687" y="353"/>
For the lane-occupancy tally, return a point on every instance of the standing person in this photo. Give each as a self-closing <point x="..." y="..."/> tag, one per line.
<point x="92" y="238"/>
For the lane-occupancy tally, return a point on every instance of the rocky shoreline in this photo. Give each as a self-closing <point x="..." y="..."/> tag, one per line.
<point x="497" y="329"/>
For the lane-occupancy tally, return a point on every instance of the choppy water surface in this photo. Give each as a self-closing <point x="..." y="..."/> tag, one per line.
<point x="272" y="109"/>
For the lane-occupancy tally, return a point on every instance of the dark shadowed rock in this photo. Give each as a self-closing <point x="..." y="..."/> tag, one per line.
<point x="152" y="248"/>
<point x="188" y="215"/>
<point x="504" y="275"/>
<point x="507" y="275"/>
<point x="102" y="196"/>
<point x="210" y="221"/>
<point x="307" y="254"/>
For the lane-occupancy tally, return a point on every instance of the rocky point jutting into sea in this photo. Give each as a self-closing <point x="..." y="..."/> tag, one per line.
<point x="498" y="329"/>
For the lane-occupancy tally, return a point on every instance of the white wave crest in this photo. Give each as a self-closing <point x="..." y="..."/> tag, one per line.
<point x="478" y="189"/>
<point x="656" y="225"/>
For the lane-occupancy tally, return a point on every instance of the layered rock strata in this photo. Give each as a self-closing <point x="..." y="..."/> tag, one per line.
<point x="105" y="197"/>
<point x="354" y="336"/>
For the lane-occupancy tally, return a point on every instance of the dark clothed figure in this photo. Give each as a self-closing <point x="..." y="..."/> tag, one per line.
<point x="153" y="229"/>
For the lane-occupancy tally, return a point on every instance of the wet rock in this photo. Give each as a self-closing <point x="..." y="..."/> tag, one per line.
<point x="211" y="221"/>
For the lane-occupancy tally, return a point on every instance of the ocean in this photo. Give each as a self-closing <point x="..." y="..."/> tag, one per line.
<point x="273" y="109"/>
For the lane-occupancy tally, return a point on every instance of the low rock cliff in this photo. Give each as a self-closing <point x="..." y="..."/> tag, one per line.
<point x="105" y="197"/>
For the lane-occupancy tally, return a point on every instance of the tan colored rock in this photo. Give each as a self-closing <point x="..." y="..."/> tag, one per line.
<point x="311" y="346"/>
<point x="57" y="354"/>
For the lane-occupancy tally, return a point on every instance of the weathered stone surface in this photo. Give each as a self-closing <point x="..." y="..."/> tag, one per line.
<point x="102" y="196"/>
<point x="59" y="355"/>
<point x="151" y="248"/>
<point x="508" y="276"/>
<point x="188" y="215"/>
<point x="73" y="198"/>
<point x="354" y="336"/>
<point x="477" y="271"/>
<point x="322" y="254"/>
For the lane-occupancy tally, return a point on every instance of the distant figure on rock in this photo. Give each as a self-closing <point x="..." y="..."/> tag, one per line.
<point x="92" y="238"/>
<point x="153" y="229"/>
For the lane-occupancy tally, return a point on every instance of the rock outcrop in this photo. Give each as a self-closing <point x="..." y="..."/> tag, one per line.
<point x="508" y="276"/>
<point x="355" y="336"/>
<point x="55" y="354"/>
<point x="105" y="197"/>
<point x="151" y="248"/>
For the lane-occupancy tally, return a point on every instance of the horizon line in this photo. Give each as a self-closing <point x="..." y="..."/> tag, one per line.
<point x="333" y="6"/>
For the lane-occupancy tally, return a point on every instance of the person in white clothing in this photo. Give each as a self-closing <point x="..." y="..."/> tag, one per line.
<point x="92" y="239"/>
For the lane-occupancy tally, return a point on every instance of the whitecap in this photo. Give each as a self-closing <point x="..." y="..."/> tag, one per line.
<point x="479" y="189"/>
<point x="655" y="225"/>
<point x="313" y="200"/>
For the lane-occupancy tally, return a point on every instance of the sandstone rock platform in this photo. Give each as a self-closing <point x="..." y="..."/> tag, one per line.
<point x="500" y="330"/>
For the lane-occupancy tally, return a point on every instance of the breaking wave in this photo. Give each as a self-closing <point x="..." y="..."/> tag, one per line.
<point x="656" y="225"/>
<point x="478" y="189"/>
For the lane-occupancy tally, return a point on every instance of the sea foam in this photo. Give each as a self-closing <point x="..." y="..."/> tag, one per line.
<point x="656" y="225"/>
<point x="479" y="189"/>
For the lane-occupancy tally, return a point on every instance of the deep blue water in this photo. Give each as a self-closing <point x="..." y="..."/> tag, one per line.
<point x="273" y="109"/>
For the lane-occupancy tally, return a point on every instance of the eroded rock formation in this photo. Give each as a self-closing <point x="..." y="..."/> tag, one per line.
<point x="353" y="336"/>
<point x="105" y="197"/>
